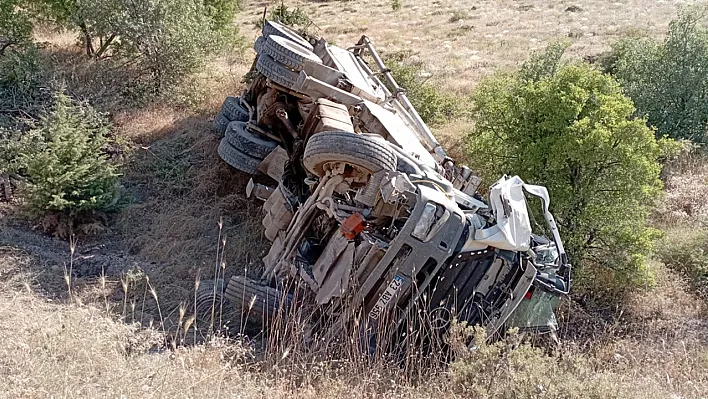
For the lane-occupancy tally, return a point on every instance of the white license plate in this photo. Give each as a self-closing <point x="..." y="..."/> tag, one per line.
<point x="386" y="297"/>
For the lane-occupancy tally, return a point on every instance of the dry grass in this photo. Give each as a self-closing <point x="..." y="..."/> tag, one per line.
<point x="685" y="199"/>
<point x="654" y="345"/>
<point x="181" y="191"/>
<point x="77" y="351"/>
<point x="461" y="41"/>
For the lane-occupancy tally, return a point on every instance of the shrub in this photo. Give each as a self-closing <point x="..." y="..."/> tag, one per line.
<point x="434" y="105"/>
<point x="23" y="78"/>
<point x="296" y="17"/>
<point x="9" y="156"/>
<point x="164" y="40"/>
<point x="568" y="128"/>
<point x="510" y="368"/>
<point x="222" y="13"/>
<point x="686" y="252"/>
<point x="668" y="81"/>
<point x="458" y="15"/>
<point x="65" y="165"/>
<point x="15" y="25"/>
<point x="21" y="67"/>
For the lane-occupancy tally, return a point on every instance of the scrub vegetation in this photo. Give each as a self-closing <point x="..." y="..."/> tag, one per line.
<point x="568" y="127"/>
<point x="105" y="108"/>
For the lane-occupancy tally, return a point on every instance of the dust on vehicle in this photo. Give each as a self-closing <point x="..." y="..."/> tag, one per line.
<point x="373" y="228"/>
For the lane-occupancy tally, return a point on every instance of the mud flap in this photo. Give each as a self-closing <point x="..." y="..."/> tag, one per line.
<point x="274" y="164"/>
<point x="333" y="268"/>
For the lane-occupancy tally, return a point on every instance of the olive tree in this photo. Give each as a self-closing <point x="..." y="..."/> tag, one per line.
<point x="15" y="25"/>
<point x="569" y="127"/>
<point x="162" y="40"/>
<point x="669" y="81"/>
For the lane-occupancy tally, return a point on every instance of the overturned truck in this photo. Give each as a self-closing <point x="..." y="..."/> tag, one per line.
<point x="373" y="228"/>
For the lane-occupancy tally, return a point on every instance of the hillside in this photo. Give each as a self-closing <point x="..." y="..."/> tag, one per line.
<point x="98" y="316"/>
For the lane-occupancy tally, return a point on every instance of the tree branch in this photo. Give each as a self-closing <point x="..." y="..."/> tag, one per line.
<point x="87" y="36"/>
<point x="104" y="46"/>
<point x="5" y="46"/>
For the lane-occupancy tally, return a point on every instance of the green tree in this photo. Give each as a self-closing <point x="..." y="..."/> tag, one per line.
<point x="21" y="67"/>
<point x="15" y="25"/>
<point x="434" y="105"/>
<point x="64" y="160"/>
<point x="568" y="127"/>
<point x="163" y="40"/>
<point x="668" y="81"/>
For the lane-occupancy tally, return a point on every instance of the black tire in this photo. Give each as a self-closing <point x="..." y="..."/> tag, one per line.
<point x="273" y="28"/>
<point x="220" y="123"/>
<point x="237" y="159"/>
<point x="288" y="52"/>
<point x="365" y="152"/>
<point x="255" y="300"/>
<point x="233" y="110"/>
<point x="249" y="143"/>
<point x="258" y="45"/>
<point x="213" y="310"/>
<point x="276" y="72"/>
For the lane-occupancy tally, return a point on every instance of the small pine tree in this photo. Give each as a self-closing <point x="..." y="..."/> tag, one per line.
<point x="65" y="164"/>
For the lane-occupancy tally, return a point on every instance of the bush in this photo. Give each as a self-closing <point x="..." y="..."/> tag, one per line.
<point x="459" y="15"/>
<point x="434" y="105"/>
<point x="510" y="368"/>
<point x="668" y="81"/>
<point x="163" y="40"/>
<point x="64" y="162"/>
<point x="23" y="84"/>
<point x="15" y="25"/>
<point x="568" y="128"/>
<point x="686" y="252"/>
<point x="222" y="13"/>
<point x="21" y="67"/>
<point x="296" y="17"/>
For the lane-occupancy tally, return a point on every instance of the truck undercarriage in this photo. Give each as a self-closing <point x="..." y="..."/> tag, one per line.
<point x="373" y="228"/>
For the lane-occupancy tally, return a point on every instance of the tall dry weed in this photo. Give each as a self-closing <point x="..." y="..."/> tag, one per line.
<point x="686" y="188"/>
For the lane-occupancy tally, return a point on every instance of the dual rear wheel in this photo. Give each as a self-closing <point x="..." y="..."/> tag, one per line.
<point x="283" y="53"/>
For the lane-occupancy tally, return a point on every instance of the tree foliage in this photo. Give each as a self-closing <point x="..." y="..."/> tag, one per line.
<point x="568" y="127"/>
<point x="63" y="158"/>
<point x="15" y="25"/>
<point x="544" y="64"/>
<point x="164" y="40"/>
<point x="23" y="82"/>
<point x="669" y="81"/>
<point x="434" y="105"/>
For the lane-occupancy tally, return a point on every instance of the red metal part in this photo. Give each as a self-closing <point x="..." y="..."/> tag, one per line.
<point x="353" y="226"/>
